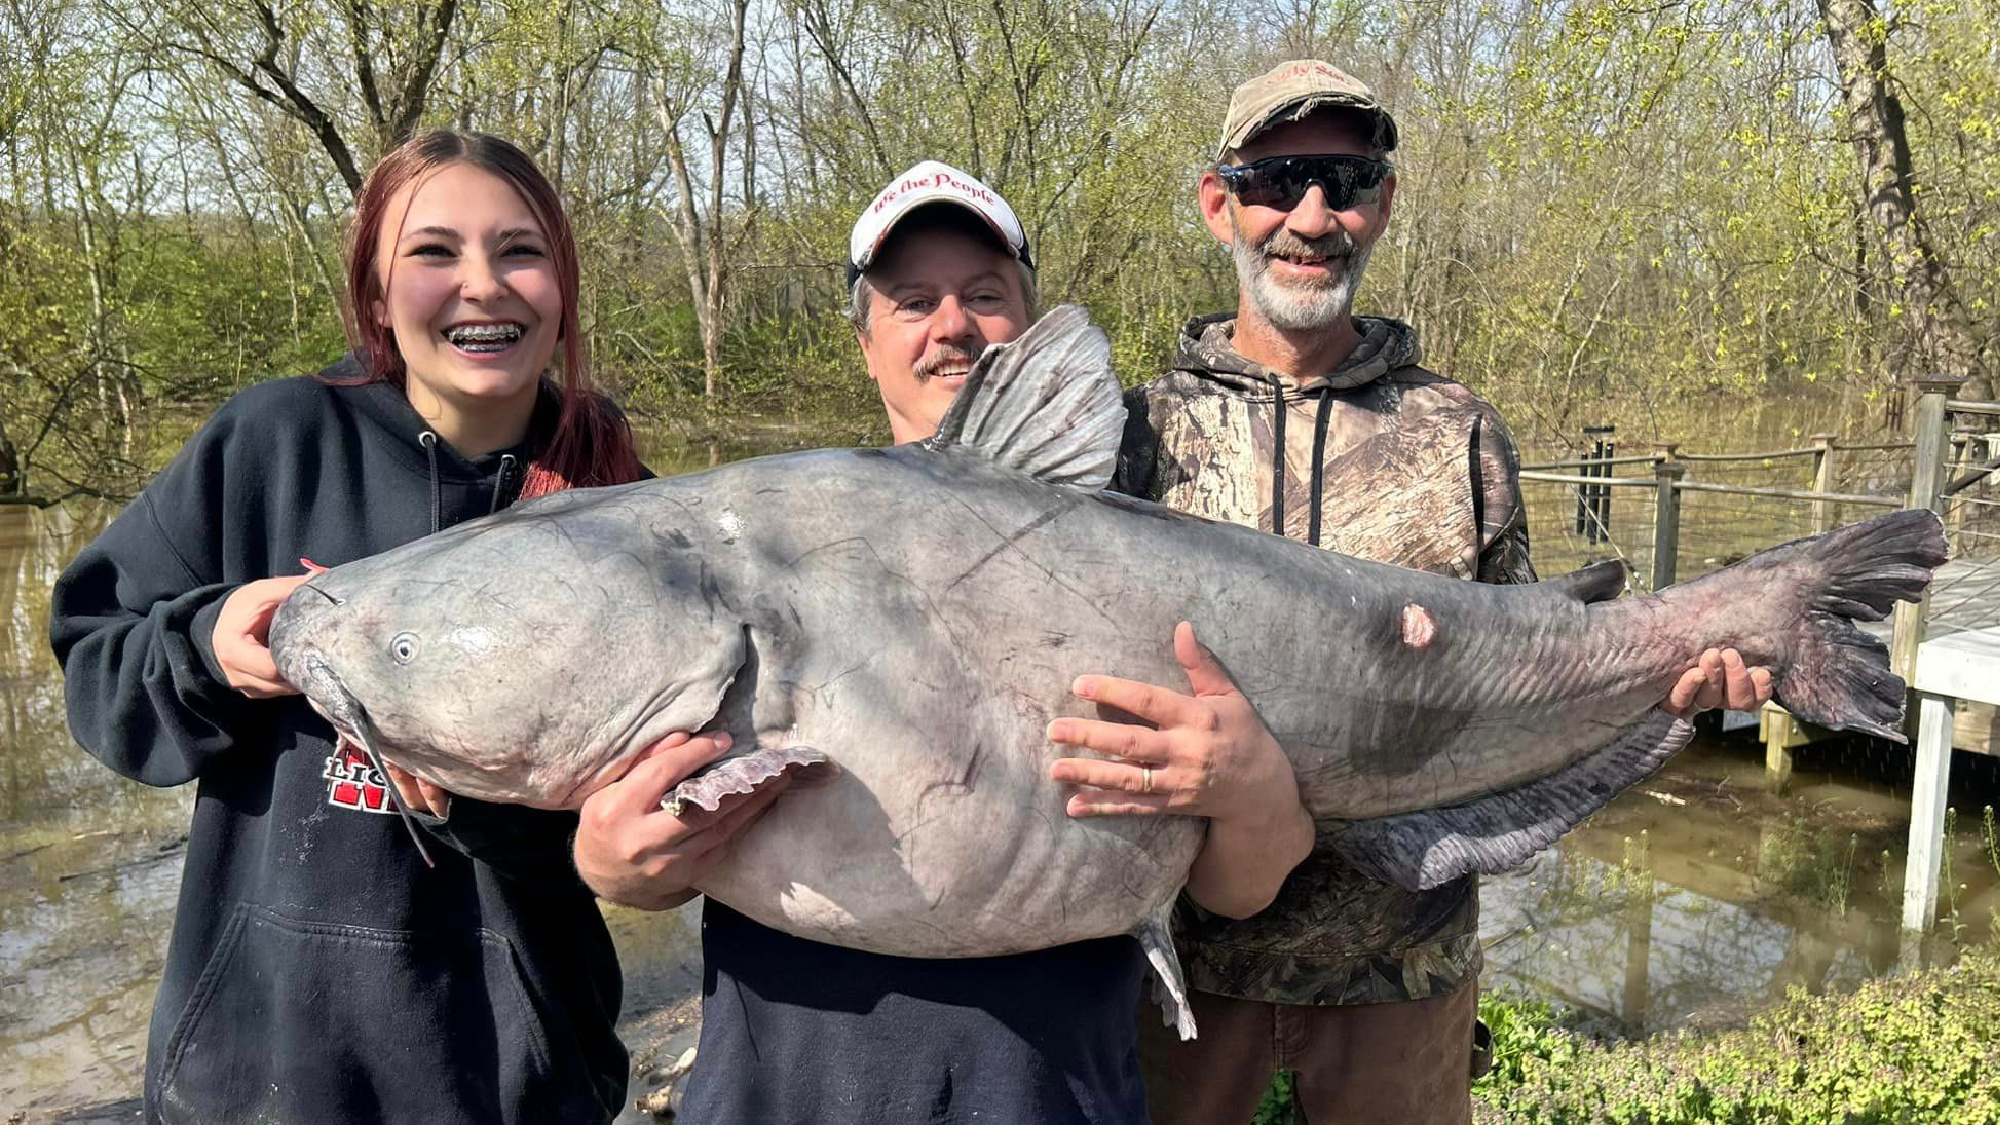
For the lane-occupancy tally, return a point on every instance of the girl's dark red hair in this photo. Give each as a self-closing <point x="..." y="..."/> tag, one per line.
<point x="591" y="443"/>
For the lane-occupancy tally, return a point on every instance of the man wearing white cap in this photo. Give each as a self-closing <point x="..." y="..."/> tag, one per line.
<point x="931" y="286"/>
<point x="797" y="1032"/>
<point x="957" y="277"/>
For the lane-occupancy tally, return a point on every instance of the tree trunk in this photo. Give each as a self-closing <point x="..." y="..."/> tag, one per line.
<point x="1932" y="335"/>
<point x="10" y="464"/>
<point x="705" y="240"/>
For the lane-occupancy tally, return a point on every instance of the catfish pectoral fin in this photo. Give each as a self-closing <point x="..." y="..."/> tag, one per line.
<point x="1170" y="988"/>
<point x="743" y="773"/>
<point x="1421" y="850"/>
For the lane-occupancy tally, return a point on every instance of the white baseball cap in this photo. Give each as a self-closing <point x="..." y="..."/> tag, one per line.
<point x="931" y="182"/>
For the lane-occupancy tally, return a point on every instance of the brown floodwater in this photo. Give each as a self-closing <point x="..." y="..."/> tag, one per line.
<point x="1695" y="899"/>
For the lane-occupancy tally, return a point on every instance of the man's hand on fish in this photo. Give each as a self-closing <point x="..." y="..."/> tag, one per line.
<point x="1718" y="679"/>
<point x="1207" y="754"/>
<point x="635" y="853"/>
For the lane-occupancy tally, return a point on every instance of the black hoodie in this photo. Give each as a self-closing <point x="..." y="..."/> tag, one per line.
<point x="319" y="971"/>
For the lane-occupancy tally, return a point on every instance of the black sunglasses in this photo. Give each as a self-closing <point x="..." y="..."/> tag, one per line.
<point x="1281" y="181"/>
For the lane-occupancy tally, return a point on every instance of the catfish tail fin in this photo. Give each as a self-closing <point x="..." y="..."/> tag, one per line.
<point x="1838" y="676"/>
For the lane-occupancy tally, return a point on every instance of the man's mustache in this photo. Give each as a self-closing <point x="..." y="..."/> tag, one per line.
<point x="946" y="356"/>
<point x="1334" y="244"/>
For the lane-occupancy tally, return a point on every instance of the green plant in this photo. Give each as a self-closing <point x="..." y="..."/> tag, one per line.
<point x="1276" y="1108"/>
<point x="1918" y="1049"/>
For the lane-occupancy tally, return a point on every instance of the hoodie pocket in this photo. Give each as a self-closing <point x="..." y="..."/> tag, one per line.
<point x="308" y="1021"/>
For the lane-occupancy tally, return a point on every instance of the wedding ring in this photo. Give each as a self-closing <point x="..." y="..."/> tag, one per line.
<point x="1145" y="779"/>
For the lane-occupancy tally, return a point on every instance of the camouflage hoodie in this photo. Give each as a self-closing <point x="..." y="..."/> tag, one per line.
<point x="1380" y="459"/>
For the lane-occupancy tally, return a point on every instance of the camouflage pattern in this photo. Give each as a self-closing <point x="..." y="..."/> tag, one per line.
<point x="1416" y="471"/>
<point x="1292" y="90"/>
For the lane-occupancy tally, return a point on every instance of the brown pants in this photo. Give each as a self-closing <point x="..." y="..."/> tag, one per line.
<point x="1404" y="1063"/>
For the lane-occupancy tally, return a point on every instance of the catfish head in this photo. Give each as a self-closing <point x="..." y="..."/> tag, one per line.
<point x="521" y="658"/>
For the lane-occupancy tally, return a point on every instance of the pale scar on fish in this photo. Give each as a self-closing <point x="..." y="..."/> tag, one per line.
<point x="1418" y="628"/>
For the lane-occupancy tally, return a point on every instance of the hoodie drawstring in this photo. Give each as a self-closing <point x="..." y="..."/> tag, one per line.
<point x="1319" y="464"/>
<point x="1318" y="461"/>
<point x="500" y="482"/>
<point x="429" y="440"/>
<point x="1278" y="456"/>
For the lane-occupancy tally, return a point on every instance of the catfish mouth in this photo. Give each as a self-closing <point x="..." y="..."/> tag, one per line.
<point x="328" y="696"/>
<point x="322" y="687"/>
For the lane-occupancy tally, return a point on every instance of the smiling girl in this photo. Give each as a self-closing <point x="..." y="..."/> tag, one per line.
<point x="319" y="970"/>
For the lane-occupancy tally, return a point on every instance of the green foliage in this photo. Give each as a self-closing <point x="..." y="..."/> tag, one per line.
<point x="1615" y="208"/>
<point x="1526" y="1032"/>
<point x="1920" y="1048"/>
<point x="1276" y="1106"/>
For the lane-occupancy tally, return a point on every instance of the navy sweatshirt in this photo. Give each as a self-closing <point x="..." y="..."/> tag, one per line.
<point x="318" y="971"/>
<point x="794" y="1032"/>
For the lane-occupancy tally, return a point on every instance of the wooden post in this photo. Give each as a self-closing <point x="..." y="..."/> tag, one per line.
<point x="1666" y="522"/>
<point x="1823" y="481"/>
<point x="1926" y="491"/>
<point x="1958" y="450"/>
<point x="1593" y="510"/>
<point x="1603" y="521"/>
<point x="1778" y="729"/>
<point x="1927" y="791"/>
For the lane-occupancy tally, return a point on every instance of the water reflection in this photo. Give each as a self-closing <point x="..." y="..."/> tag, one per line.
<point x="1699" y="898"/>
<point x="89" y="863"/>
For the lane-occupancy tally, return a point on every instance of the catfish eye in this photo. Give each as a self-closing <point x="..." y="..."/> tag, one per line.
<point x="404" y="648"/>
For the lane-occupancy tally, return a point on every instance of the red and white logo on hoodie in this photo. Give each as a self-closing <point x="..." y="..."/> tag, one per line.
<point x="352" y="783"/>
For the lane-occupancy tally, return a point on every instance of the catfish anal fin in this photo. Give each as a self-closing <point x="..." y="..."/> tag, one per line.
<point x="1421" y="850"/>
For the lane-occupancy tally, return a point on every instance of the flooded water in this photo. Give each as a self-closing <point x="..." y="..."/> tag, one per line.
<point x="1692" y="901"/>
<point x="1700" y="896"/>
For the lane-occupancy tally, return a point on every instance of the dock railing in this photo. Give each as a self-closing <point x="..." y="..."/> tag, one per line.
<point x="1675" y="513"/>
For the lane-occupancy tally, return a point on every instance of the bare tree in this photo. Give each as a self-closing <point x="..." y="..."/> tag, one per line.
<point x="392" y="53"/>
<point x="708" y="237"/>
<point x="1934" y="336"/>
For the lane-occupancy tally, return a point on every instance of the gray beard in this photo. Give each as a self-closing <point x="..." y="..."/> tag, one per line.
<point x="1296" y="308"/>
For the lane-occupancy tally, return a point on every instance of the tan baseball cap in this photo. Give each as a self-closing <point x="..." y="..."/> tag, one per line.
<point x="1292" y="90"/>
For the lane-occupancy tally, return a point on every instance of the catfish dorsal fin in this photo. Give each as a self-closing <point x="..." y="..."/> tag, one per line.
<point x="1598" y="582"/>
<point x="1046" y="404"/>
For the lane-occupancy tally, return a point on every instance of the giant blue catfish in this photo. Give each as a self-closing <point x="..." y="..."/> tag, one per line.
<point x="907" y="621"/>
